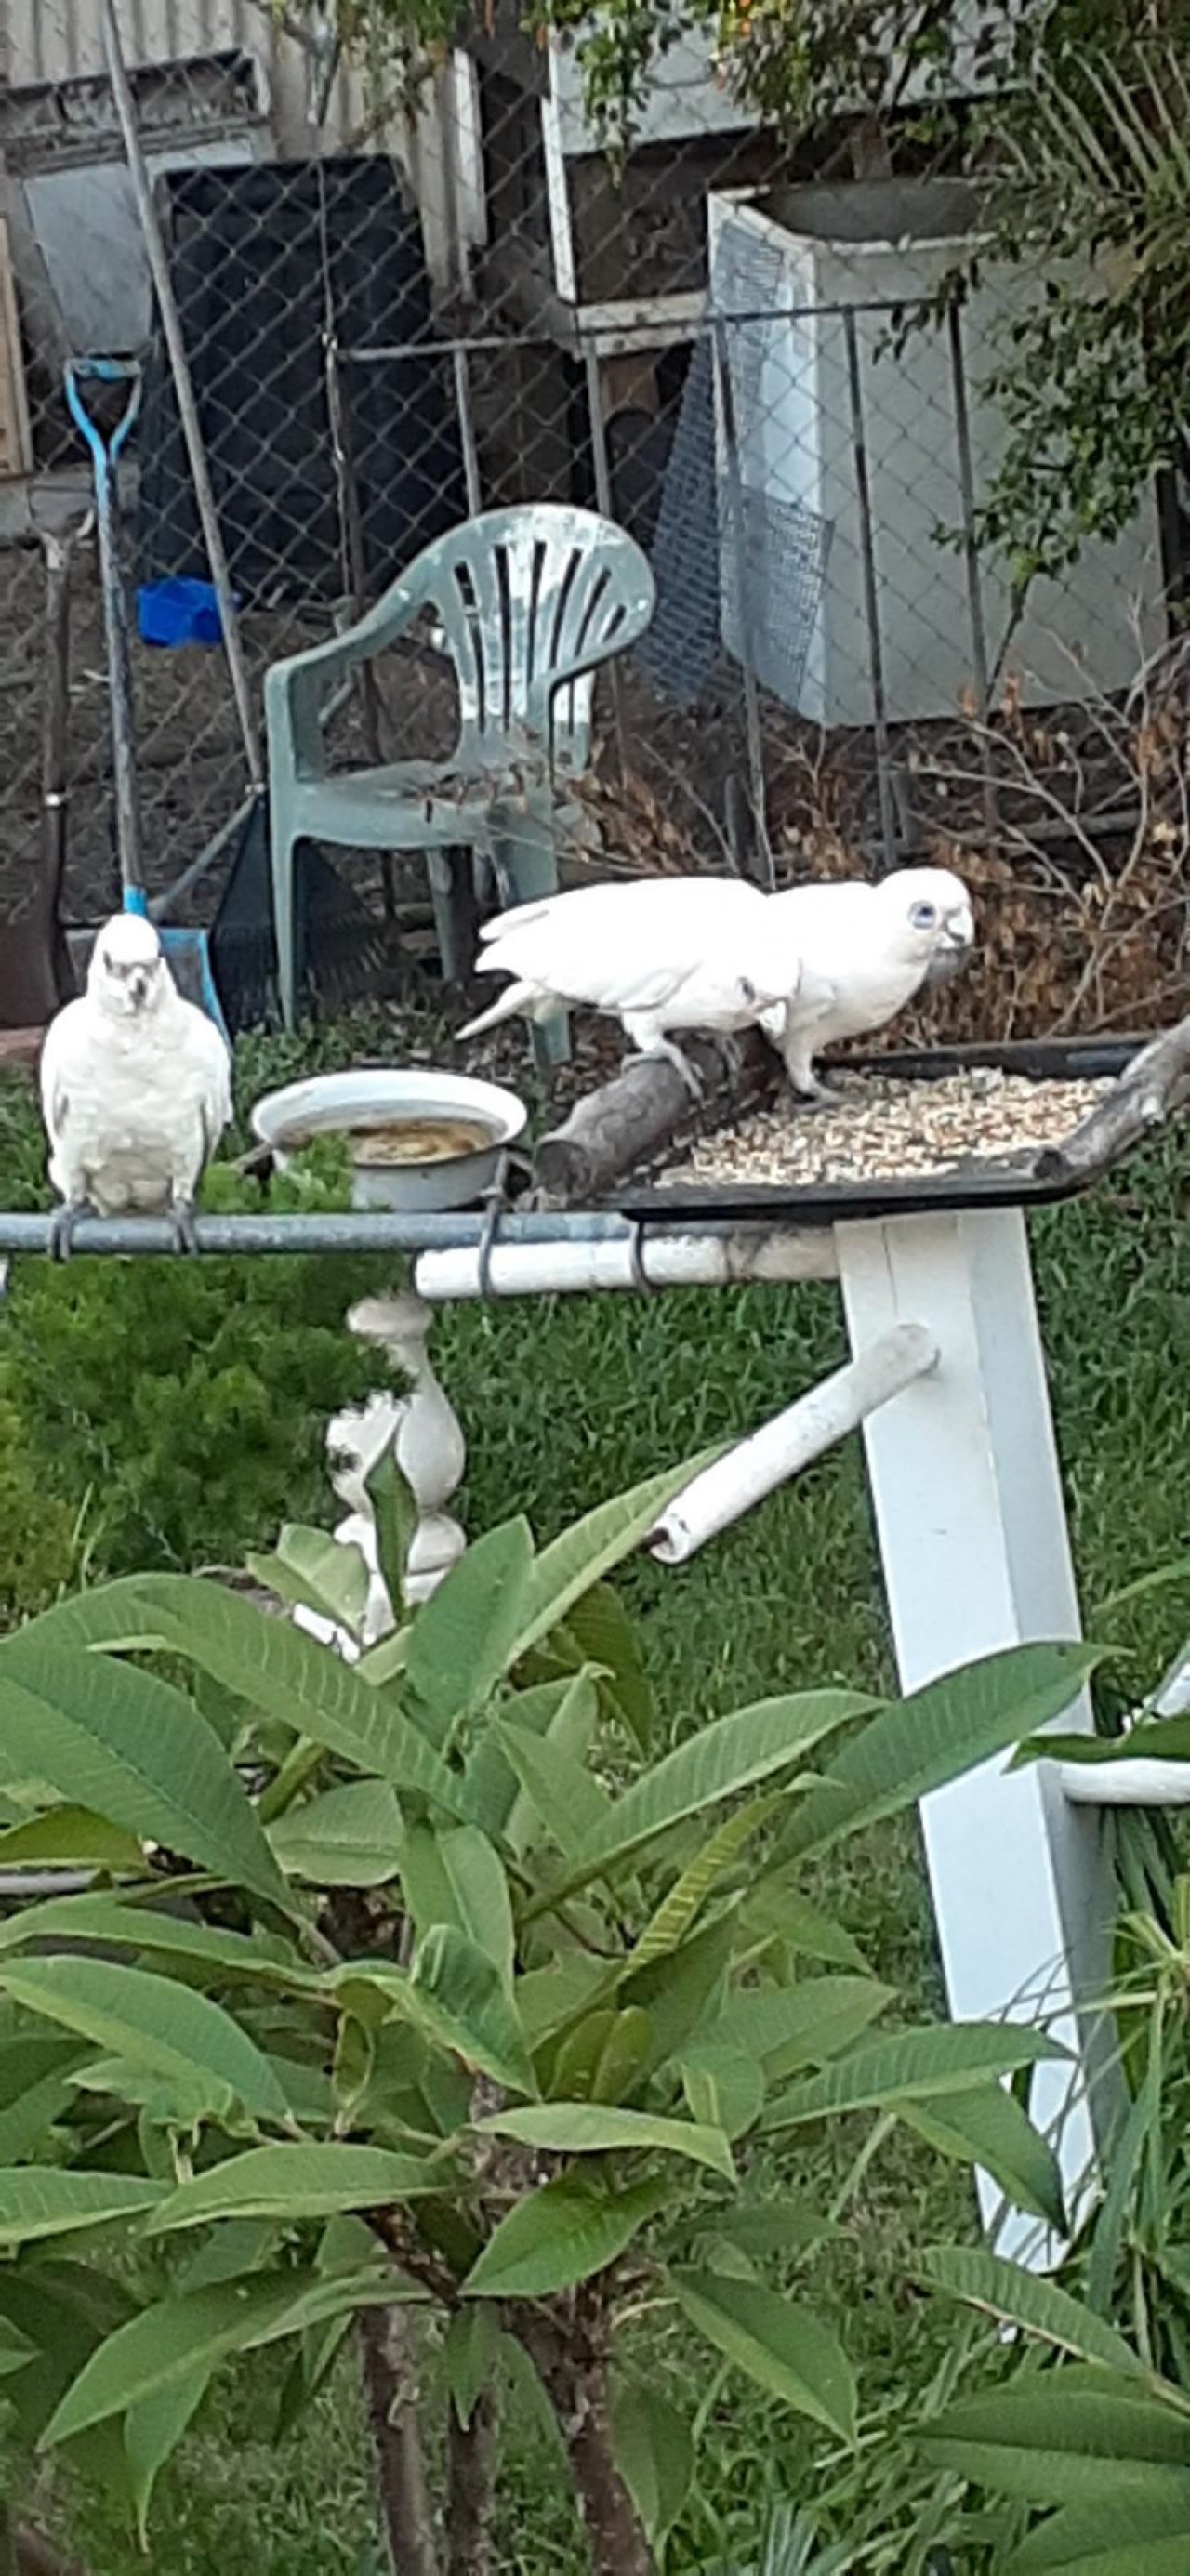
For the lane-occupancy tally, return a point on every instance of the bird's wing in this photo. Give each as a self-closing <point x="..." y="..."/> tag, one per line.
<point x="624" y="947"/>
<point x="203" y="1066"/>
<point x="59" y="1066"/>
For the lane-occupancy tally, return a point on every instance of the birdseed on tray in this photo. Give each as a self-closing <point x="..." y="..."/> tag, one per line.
<point x="884" y="1128"/>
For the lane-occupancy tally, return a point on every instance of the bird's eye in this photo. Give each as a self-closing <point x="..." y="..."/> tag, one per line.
<point x="747" y="990"/>
<point x="924" y="916"/>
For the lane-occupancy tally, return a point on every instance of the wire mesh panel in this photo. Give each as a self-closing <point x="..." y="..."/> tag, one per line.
<point x="400" y="307"/>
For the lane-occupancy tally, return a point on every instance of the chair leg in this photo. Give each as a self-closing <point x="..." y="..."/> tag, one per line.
<point x="452" y="892"/>
<point x="525" y="855"/>
<point x="283" y="846"/>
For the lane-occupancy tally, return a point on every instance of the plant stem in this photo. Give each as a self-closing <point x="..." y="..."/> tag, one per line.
<point x="30" y="2553"/>
<point x="388" y="2337"/>
<point x="572" y="2366"/>
<point x="471" y="2490"/>
<point x="618" y="2545"/>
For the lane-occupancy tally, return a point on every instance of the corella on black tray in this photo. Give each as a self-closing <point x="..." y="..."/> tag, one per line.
<point x="657" y="953"/>
<point x="866" y="951"/>
<point x="135" y="1088"/>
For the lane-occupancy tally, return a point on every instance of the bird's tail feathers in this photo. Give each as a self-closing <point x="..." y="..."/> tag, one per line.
<point x="518" y="998"/>
<point x="520" y="917"/>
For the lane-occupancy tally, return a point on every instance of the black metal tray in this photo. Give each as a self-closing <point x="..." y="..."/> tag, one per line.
<point x="820" y="1203"/>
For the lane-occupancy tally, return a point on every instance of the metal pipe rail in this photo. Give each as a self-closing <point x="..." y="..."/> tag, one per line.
<point x="457" y="1231"/>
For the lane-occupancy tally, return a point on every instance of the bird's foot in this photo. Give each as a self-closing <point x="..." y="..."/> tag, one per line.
<point x="733" y="1057"/>
<point x="181" y="1225"/>
<point x="681" y="1063"/>
<point x="814" y="1096"/>
<point x="62" y="1225"/>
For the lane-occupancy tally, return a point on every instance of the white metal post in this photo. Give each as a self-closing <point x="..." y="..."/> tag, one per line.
<point x="976" y="1556"/>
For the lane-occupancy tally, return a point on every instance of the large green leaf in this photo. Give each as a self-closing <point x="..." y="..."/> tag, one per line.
<point x="469" y="2349"/>
<point x="560" y="2235"/>
<point x="724" y="2090"/>
<point x="155" y="2024"/>
<point x="989" y="2127"/>
<point x="724" y="1758"/>
<point x="460" y="1997"/>
<point x="777" y="1907"/>
<point x="70" y="1838"/>
<point x="683" y="1903"/>
<point x="348" y="1837"/>
<point x="569" y="1726"/>
<point x="177" y="2338"/>
<point x="593" y="2128"/>
<point x="465" y="1636"/>
<point x="654" y="2454"/>
<point x="292" y="2182"/>
<point x="313" y="1571"/>
<point x="1003" y="2290"/>
<point x="1133" y="2536"/>
<point x="684" y="1993"/>
<point x="911" y="2066"/>
<point x="45" y="2200"/>
<point x="35" y="2087"/>
<point x="491" y="1788"/>
<point x="572" y="1806"/>
<point x="801" y="2025"/>
<point x="934" y="1736"/>
<point x="1052" y="2444"/>
<point x="601" y="1632"/>
<point x="16" y="2351"/>
<point x="453" y="1874"/>
<point x="259" y="1957"/>
<point x="776" y="2342"/>
<point x="768" y="2226"/>
<point x="586" y="1552"/>
<point x="130" y="1748"/>
<point x="152" y="2432"/>
<point x="268" y="1661"/>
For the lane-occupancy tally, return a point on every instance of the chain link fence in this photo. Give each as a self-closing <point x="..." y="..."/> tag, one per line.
<point x="393" y="322"/>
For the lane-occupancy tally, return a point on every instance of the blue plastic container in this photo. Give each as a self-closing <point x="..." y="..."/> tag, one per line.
<point x="179" y="611"/>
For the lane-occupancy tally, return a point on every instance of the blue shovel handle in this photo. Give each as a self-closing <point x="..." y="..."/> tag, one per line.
<point x="103" y="371"/>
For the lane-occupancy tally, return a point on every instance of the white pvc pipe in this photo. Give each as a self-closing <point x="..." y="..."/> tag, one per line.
<point x="666" y="1261"/>
<point x="791" y="1441"/>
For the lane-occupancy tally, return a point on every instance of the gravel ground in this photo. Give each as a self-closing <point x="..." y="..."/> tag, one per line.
<point x="881" y="1128"/>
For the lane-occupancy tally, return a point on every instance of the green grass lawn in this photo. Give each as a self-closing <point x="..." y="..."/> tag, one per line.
<point x="562" y="1404"/>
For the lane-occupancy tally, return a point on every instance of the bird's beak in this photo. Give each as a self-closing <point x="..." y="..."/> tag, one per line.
<point x="952" y="953"/>
<point x="138" y="986"/>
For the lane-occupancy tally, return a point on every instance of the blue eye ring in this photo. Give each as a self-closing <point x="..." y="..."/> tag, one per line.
<point x="924" y="916"/>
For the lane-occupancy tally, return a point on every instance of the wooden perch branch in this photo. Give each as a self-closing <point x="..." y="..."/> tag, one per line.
<point x="631" y="1118"/>
<point x="1154" y="1086"/>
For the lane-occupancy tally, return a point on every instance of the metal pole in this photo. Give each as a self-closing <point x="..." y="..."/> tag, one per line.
<point x="467" y="439"/>
<point x="863" y="494"/>
<point x="606" y="506"/>
<point x="979" y="641"/>
<point x="348" y="1233"/>
<point x="735" y="486"/>
<point x="184" y="387"/>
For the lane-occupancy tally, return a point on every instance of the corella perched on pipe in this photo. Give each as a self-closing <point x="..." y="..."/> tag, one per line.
<point x="865" y="951"/>
<point x="135" y="1089"/>
<point x="657" y="953"/>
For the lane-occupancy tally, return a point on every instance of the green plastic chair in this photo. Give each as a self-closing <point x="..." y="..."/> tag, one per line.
<point x="530" y="602"/>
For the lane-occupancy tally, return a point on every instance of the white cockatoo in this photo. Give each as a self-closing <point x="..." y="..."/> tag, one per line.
<point x="865" y="951"/>
<point x="656" y="953"/>
<point x="135" y="1089"/>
